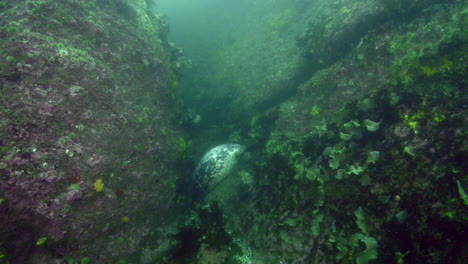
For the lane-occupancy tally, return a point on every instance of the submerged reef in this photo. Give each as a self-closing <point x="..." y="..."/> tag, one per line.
<point x="362" y="163"/>
<point x="87" y="134"/>
<point x="353" y="114"/>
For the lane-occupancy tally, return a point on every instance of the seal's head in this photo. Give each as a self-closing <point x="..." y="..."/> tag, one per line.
<point x="215" y="166"/>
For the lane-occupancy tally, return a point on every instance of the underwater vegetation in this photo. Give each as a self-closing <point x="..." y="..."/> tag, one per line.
<point x="352" y="114"/>
<point x="85" y="131"/>
<point x="362" y="164"/>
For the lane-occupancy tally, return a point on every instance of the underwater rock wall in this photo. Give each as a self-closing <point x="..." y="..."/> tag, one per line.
<point x="252" y="63"/>
<point x="366" y="162"/>
<point x="88" y="131"/>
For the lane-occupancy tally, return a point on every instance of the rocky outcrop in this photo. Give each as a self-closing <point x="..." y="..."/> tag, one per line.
<point x="363" y="164"/>
<point x="85" y="95"/>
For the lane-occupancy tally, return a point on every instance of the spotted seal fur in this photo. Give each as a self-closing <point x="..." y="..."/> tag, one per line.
<point x="216" y="165"/>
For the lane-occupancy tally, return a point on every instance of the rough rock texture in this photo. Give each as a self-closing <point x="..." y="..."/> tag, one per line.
<point x="258" y="61"/>
<point x="364" y="163"/>
<point x="252" y="63"/>
<point x="85" y="95"/>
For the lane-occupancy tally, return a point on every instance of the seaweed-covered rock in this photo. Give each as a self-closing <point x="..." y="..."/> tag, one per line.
<point x="376" y="131"/>
<point x="84" y="98"/>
